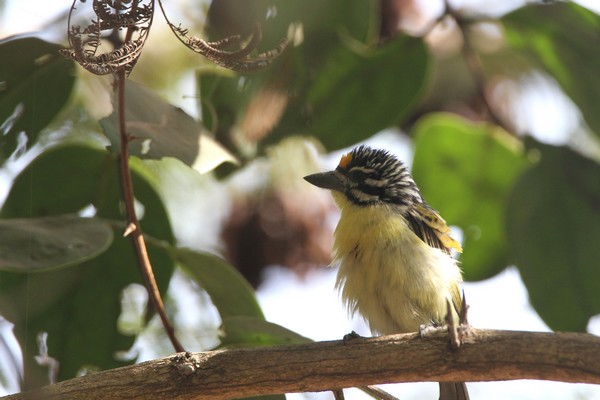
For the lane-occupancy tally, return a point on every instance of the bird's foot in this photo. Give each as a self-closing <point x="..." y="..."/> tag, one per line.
<point x="426" y="330"/>
<point x="349" y="336"/>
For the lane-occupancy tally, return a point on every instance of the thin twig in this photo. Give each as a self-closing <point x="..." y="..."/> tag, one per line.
<point x="377" y="393"/>
<point x="133" y="225"/>
<point x="475" y="67"/>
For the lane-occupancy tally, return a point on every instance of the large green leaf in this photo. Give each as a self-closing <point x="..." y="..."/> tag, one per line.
<point x="68" y="178"/>
<point x="552" y="226"/>
<point x="227" y="288"/>
<point x="36" y="83"/>
<point x="564" y="38"/>
<point x="79" y="306"/>
<point x="356" y="95"/>
<point x="163" y="130"/>
<point x="321" y="22"/>
<point x="465" y="170"/>
<point x="277" y="96"/>
<point x="244" y="331"/>
<point x="34" y="244"/>
<point x="62" y="180"/>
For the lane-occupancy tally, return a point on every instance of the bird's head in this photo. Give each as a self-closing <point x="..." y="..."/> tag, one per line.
<point x="368" y="176"/>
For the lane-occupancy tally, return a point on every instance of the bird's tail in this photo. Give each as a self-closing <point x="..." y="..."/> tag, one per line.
<point x="453" y="391"/>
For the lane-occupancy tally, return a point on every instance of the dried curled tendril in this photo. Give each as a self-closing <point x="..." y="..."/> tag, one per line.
<point x="111" y="16"/>
<point x="136" y="16"/>
<point x="238" y="60"/>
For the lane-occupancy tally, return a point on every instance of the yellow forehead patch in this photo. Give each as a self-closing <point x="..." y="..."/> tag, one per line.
<point x="346" y="158"/>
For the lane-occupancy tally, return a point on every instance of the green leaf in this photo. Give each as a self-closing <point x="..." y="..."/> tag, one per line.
<point x="222" y="97"/>
<point x="36" y="83"/>
<point x="564" y="39"/>
<point x="244" y="331"/>
<point x="357" y="95"/>
<point x="553" y="232"/>
<point x="79" y="306"/>
<point x="68" y="178"/>
<point x="322" y="29"/>
<point x="465" y="170"/>
<point x="61" y="180"/>
<point x="163" y="130"/>
<point x="29" y="245"/>
<point x="227" y="288"/>
<point x="322" y="22"/>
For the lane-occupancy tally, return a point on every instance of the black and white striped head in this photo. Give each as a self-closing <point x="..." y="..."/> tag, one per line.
<point x="370" y="176"/>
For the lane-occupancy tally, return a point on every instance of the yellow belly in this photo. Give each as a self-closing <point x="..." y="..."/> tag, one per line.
<point x="388" y="274"/>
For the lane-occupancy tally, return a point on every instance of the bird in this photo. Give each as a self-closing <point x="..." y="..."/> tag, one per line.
<point x="393" y="250"/>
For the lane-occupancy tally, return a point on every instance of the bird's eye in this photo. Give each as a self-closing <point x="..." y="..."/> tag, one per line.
<point x="357" y="175"/>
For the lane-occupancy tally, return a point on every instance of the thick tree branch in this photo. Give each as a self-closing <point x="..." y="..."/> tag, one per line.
<point x="485" y="355"/>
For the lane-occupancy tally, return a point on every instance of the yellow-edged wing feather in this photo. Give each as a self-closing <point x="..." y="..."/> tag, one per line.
<point x="427" y="224"/>
<point x="432" y="228"/>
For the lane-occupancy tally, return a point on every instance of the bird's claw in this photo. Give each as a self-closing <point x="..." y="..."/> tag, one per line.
<point x="425" y="330"/>
<point x="350" y="336"/>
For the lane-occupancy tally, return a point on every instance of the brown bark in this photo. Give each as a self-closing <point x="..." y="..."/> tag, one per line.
<point x="485" y="355"/>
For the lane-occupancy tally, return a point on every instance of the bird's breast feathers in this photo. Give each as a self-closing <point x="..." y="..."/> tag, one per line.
<point x="387" y="273"/>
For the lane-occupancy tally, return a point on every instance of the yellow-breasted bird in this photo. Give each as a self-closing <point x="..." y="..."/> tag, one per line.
<point x="392" y="248"/>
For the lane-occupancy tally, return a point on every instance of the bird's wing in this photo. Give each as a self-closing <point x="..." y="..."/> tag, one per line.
<point x="457" y="300"/>
<point x="427" y="224"/>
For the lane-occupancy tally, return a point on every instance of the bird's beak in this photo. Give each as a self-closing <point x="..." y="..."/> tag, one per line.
<point x="326" y="180"/>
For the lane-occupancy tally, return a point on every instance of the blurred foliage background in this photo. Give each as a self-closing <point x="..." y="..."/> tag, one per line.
<point x="498" y="106"/>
